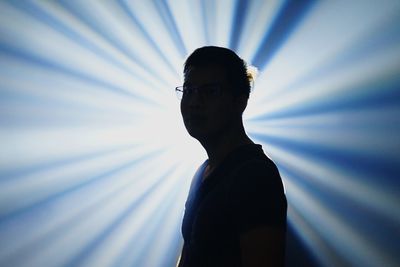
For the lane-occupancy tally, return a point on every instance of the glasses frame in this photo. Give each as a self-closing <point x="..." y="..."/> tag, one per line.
<point x="180" y="90"/>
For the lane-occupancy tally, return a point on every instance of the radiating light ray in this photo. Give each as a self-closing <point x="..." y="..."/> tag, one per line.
<point x="147" y="39"/>
<point x="310" y="233"/>
<point x="56" y="143"/>
<point x="289" y="17"/>
<point x="375" y="44"/>
<point x="111" y="207"/>
<point x="96" y="163"/>
<point x="340" y="130"/>
<point x="43" y="52"/>
<point x="208" y="13"/>
<point x="153" y="253"/>
<point x="263" y="13"/>
<point x="348" y="243"/>
<point x="315" y="46"/>
<point x="225" y="22"/>
<point x="90" y="67"/>
<point x="154" y="25"/>
<point x="237" y="24"/>
<point x="44" y="185"/>
<point x="323" y="170"/>
<point x="61" y="20"/>
<point x="112" y="184"/>
<point x="189" y="22"/>
<point x="169" y="21"/>
<point x="108" y="25"/>
<point x="133" y="253"/>
<point x="115" y="241"/>
<point x="309" y="236"/>
<point x="380" y="80"/>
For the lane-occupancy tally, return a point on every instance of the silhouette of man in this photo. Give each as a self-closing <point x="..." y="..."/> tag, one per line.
<point x="235" y="214"/>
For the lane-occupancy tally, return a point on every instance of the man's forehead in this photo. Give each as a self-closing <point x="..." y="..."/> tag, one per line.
<point x="207" y="73"/>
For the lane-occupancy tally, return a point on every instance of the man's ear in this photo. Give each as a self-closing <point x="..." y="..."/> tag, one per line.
<point x="241" y="103"/>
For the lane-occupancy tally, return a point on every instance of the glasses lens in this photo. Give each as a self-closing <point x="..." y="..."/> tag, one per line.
<point x="179" y="92"/>
<point x="211" y="91"/>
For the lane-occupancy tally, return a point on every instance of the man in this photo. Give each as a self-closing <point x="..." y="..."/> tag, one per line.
<point x="235" y="214"/>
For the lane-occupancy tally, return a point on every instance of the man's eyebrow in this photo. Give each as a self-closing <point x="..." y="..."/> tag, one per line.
<point x="205" y="84"/>
<point x="211" y="84"/>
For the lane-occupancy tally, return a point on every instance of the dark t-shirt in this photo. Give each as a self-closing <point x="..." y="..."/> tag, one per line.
<point x="244" y="192"/>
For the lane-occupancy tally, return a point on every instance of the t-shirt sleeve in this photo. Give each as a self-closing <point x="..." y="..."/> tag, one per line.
<point x="257" y="197"/>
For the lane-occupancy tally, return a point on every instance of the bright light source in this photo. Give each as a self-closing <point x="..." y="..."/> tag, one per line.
<point x="95" y="161"/>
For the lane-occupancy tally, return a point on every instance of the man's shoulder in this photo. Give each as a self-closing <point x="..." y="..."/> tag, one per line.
<point x="251" y="155"/>
<point x="256" y="174"/>
<point x="256" y="165"/>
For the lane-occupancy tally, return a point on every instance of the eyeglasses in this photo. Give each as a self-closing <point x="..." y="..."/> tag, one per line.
<point x="206" y="91"/>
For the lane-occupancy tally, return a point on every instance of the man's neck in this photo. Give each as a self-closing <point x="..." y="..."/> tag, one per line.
<point x="220" y="146"/>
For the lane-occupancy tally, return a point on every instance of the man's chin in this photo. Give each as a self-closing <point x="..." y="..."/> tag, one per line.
<point x="195" y="128"/>
<point x="197" y="134"/>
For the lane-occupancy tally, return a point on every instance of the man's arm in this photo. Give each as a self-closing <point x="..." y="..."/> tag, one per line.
<point x="263" y="246"/>
<point x="259" y="205"/>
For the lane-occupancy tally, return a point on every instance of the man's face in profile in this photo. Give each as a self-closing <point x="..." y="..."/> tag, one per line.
<point x="209" y="110"/>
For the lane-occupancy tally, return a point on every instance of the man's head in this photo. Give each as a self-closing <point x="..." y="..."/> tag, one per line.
<point x="215" y="92"/>
<point x="235" y="68"/>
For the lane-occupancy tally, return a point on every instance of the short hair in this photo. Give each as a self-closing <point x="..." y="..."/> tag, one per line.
<point x="235" y="67"/>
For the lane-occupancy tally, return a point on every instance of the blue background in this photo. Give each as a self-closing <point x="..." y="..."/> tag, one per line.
<point x="95" y="162"/>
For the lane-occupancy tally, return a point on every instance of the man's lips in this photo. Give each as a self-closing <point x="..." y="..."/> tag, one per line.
<point x="195" y="118"/>
<point x="193" y="115"/>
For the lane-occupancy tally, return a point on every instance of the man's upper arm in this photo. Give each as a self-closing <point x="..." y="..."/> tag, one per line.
<point x="263" y="246"/>
<point x="259" y="208"/>
<point x="257" y="197"/>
